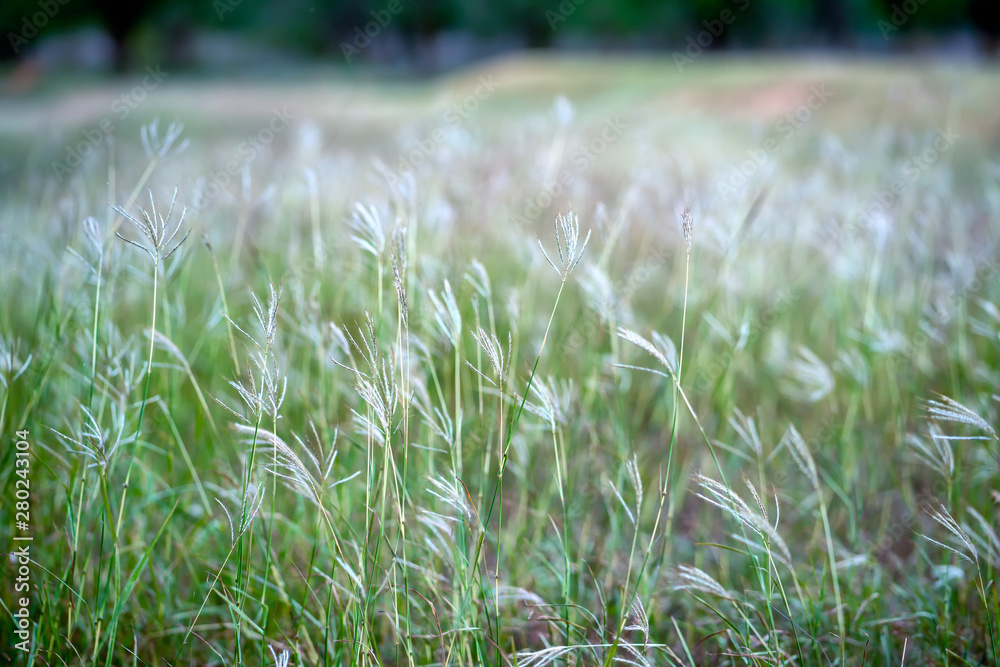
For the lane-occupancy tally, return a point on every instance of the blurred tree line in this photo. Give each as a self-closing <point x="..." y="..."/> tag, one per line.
<point x="315" y="28"/>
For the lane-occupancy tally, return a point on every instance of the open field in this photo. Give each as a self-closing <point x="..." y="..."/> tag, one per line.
<point x="354" y="399"/>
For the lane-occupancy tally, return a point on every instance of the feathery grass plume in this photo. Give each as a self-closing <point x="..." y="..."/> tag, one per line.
<point x="447" y="316"/>
<point x="281" y="658"/>
<point x="12" y="366"/>
<point x="248" y="505"/>
<point x="377" y="384"/>
<point x="853" y="364"/>
<point x="803" y="458"/>
<point x="544" y="656"/>
<point x="157" y="147"/>
<point x="436" y="419"/>
<point x="92" y="236"/>
<point x="737" y="342"/>
<point x="664" y="350"/>
<point x="309" y="475"/>
<point x="640" y="620"/>
<point x="123" y="369"/>
<point x="964" y="547"/>
<point x="263" y="392"/>
<point x="156" y="229"/>
<point x="810" y="379"/>
<point x="568" y="246"/>
<point x="601" y="296"/>
<point x="985" y="538"/>
<point x="690" y="578"/>
<point x="746" y="428"/>
<point x="938" y="455"/>
<point x="500" y="362"/>
<point x="554" y="400"/>
<point x="92" y="441"/>
<point x="369" y="232"/>
<point x="400" y="285"/>
<point x="794" y="443"/>
<point x="728" y="500"/>
<point x="687" y="227"/>
<point x="479" y="279"/>
<point x="635" y="480"/>
<point x="452" y="495"/>
<point x="949" y="410"/>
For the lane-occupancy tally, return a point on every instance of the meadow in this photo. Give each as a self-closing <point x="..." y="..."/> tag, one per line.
<point x="547" y="361"/>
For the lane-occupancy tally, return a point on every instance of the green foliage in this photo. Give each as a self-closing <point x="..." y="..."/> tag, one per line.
<point x="361" y="417"/>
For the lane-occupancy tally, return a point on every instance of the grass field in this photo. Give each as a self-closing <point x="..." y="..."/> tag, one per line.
<point x="568" y="362"/>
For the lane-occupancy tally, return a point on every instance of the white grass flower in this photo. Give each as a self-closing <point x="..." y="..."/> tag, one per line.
<point x="689" y="578"/>
<point x="687" y="227"/>
<point x="248" y="507"/>
<point x="853" y="364"/>
<point x="369" y="233"/>
<point x="96" y="443"/>
<point x="950" y="410"/>
<point x="794" y="443"/>
<point x="639" y="620"/>
<point x="964" y="547"/>
<point x="281" y="658"/>
<point x="92" y="237"/>
<point x="554" y="400"/>
<point x="728" y="500"/>
<point x="160" y="147"/>
<point x="479" y="279"/>
<point x="746" y="428"/>
<point x="635" y="480"/>
<point x="447" y="316"/>
<point x="664" y="349"/>
<point x="12" y="365"/>
<point x="545" y="656"/>
<point x="568" y="246"/>
<point x="452" y="494"/>
<point x="985" y="538"/>
<point x="811" y="379"/>
<point x="601" y="296"/>
<point x="563" y="111"/>
<point x="937" y="455"/>
<point x="499" y="360"/>
<point x="159" y="231"/>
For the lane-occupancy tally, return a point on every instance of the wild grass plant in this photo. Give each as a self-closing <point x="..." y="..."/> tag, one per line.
<point x="342" y="415"/>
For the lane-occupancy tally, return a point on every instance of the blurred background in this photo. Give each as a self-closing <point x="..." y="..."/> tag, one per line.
<point x="435" y="35"/>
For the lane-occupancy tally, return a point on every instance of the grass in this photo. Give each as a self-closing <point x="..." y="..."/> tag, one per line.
<point x="347" y="416"/>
